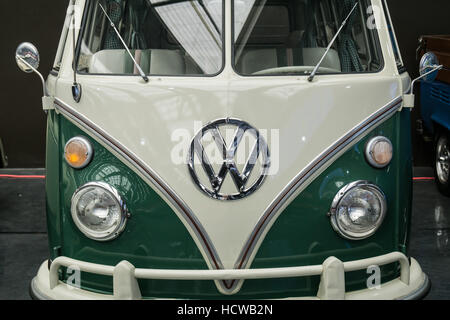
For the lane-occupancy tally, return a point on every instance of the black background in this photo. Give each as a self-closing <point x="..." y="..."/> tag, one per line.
<point x="22" y="121"/>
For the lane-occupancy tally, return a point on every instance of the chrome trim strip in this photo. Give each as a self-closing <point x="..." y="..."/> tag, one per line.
<point x="272" y="211"/>
<point x="231" y="287"/>
<point x="153" y="178"/>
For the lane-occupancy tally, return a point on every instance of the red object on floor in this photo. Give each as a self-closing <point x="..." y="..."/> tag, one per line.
<point x="13" y="176"/>
<point x="423" y="178"/>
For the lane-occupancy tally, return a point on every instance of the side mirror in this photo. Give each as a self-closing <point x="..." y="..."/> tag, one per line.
<point x="428" y="69"/>
<point x="27" y="57"/>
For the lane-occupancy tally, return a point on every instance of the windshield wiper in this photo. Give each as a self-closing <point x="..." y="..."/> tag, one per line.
<point x="138" y="67"/>
<point x="316" y="68"/>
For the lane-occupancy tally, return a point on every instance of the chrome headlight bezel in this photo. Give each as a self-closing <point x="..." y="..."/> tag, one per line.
<point x="367" y="186"/>
<point x="96" y="235"/>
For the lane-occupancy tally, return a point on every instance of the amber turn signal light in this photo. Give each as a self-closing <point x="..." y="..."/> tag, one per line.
<point x="379" y="152"/>
<point x="78" y="152"/>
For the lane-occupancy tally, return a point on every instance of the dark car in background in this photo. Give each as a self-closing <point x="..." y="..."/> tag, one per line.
<point x="435" y="107"/>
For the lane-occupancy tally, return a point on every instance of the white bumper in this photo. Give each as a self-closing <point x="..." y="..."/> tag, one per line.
<point x="412" y="283"/>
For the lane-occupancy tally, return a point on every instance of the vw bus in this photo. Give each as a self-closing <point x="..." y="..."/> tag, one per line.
<point x="227" y="149"/>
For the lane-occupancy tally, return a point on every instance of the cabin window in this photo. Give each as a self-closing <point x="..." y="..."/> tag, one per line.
<point x="166" y="37"/>
<point x="289" y="37"/>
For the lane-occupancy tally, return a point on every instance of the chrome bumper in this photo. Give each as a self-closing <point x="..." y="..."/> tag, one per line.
<point x="412" y="283"/>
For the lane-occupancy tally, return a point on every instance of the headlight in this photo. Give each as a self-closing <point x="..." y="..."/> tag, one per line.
<point x="78" y="152"/>
<point x="98" y="211"/>
<point x="358" y="210"/>
<point x="379" y="152"/>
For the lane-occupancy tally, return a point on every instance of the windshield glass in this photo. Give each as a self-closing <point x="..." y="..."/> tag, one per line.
<point x="286" y="37"/>
<point x="165" y="37"/>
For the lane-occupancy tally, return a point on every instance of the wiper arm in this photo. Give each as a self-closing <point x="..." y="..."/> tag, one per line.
<point x="316" y="68"/>
<point x="138" y="67"/>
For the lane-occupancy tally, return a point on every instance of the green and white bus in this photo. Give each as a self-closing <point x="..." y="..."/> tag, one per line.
<point x="227" y="149"/>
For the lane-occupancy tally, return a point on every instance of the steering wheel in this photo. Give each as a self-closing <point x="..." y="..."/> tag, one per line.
<point x="306" y="70"/>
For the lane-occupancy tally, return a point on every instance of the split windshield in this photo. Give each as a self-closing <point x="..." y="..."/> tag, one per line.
<point x="165" y="37"/>
<point x="291" y="36"/>
<point x="271" y="37"/>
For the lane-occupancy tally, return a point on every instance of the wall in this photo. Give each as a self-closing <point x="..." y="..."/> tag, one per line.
<point x="22" y="122"/>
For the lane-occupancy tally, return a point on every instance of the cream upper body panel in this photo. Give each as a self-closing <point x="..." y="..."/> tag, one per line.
<point x="305" y="119"/>
<point x="145" y="117"/>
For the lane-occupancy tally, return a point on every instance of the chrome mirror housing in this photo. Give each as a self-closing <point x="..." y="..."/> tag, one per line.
<point x="428" y="67"/>
<point x="27" y="57"/>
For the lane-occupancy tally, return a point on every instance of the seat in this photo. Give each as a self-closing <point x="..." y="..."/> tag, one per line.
<point x="152" y="61"/>
<point x="311" y="56"/>
<point x="167" y="62"/>
<point x="111" y="61"/>
<point x="254" y="60"/>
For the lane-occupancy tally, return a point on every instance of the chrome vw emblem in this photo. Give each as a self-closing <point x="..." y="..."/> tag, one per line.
<point x="254" y="169"/>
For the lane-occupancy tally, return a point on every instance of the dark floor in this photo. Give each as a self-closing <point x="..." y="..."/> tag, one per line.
<point x="23" y="239"/>
<point x="430" y="233"/>
<point x="23" y="236"/>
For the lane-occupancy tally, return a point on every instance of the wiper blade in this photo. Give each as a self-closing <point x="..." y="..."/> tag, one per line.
<point x="316" y="68"/>
<point x="138" y="67"/>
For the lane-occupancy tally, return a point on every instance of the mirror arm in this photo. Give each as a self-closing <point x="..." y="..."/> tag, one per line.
<point x="436" y="68"/>
<point x="409" y="99"/>
<point x="44" y="87"/>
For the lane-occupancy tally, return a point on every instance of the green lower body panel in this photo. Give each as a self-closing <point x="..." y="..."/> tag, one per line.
<point x="301" y="236"/>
